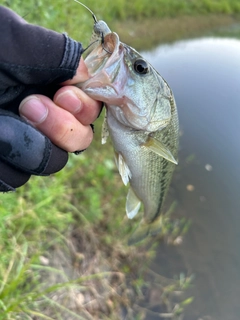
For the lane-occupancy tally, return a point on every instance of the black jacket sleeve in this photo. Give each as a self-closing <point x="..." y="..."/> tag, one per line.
<point x="32" y="60"/>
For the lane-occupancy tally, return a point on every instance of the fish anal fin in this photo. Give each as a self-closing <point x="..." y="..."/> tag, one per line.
<point x="158" y="147"/>
<point x="132" y="204"/>
<point x="123" y="168"/>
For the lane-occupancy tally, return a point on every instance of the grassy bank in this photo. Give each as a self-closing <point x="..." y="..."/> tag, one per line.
<point x="123" y="9"/>
<point x="63" y="238"/>
<point x="157" y="18"/>
<point x="63" y="247"/>
<point x="146" y="35"/>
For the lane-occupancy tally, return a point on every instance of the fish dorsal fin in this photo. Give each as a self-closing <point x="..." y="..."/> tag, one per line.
<point x="159" y="148"/>
<point x="105" y="132"/>
<point x="132" y="204"/>
<point x="123" y="168"/>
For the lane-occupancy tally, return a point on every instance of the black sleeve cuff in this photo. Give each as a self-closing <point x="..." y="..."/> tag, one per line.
<point x="32" y="57"/>
<point x="72" y="54"/>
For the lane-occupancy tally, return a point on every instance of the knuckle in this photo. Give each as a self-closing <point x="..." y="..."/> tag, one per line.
<point x="63" y="131"/>
<point x="72" y="136"/>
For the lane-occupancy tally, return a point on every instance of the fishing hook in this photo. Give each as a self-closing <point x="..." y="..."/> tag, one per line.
<point x="89" y="46"/>
<point x="103" y="44"/>
<point x="96" y="21"/>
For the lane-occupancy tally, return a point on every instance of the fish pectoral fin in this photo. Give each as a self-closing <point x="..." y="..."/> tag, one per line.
<point x="105" y="132"/>
<point x="123" y="168"/>
<point x="132" y="204"/>
<point x="159" y="148"/>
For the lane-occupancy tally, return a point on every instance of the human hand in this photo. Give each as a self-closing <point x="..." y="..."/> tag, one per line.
<point x="55" y="118"/>
<point x="66" y="119"/>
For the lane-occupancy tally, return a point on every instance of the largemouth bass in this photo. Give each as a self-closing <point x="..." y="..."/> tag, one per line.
<point x="141" y="119"/>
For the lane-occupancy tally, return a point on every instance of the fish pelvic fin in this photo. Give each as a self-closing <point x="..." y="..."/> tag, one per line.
<point x="105" y="132"/>
<point x="159" y="148"/>
<point x="132" y="204"/>
<point x="145" y="230"/>
<point x="123" y="168"/>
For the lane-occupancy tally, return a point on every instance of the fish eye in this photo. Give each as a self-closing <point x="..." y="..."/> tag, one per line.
<point x="141" y="66"/>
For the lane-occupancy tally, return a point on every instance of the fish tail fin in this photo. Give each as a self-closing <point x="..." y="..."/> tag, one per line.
<point x="154" y="228"/>
<point x="145" y="230"/>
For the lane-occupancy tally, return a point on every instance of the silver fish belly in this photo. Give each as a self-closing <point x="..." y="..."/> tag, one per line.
<point x="148" y="173"/>
<point x="141" y="119"/>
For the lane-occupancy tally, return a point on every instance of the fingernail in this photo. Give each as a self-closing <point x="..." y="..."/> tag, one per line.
<point x="69" y="101"/>
<point x="33" y="109"/>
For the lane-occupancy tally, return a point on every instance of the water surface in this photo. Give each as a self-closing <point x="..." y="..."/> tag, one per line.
<point x="205" y="77"/>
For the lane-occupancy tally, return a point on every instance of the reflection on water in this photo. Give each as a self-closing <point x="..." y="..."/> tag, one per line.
<point x="205" y="77"/>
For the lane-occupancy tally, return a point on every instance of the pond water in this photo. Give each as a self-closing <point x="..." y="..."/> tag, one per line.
<point x="205" y="77"/>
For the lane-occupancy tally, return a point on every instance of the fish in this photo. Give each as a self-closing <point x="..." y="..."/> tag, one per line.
<point x="141" y="119"/>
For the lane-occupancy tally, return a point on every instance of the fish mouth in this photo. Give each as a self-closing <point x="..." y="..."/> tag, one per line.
<point x="104" y="55"/>
<point x="103" y="64"/>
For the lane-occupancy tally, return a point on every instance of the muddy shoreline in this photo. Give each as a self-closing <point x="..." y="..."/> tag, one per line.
<point x="148" y="33"/>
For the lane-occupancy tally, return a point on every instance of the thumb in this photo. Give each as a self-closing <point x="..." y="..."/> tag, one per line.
<point x="81" y="74"/>
<point x="59" y="125"/>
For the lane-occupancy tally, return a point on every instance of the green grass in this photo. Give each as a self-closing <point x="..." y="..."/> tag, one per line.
<point x="68" y="16"/>
<point x="66" y="234"/>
